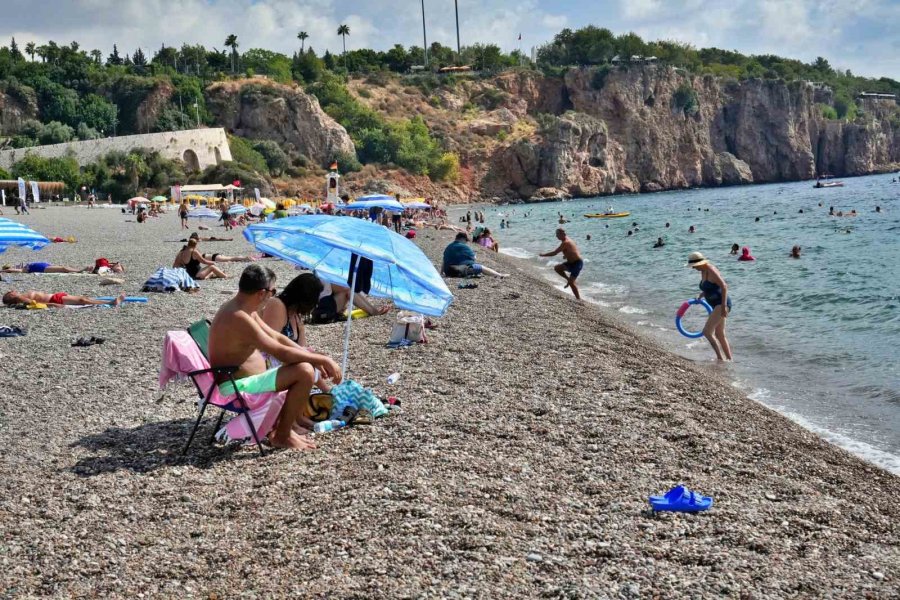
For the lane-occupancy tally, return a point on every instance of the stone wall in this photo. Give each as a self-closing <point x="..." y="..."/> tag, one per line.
<point x="198" y="148"/>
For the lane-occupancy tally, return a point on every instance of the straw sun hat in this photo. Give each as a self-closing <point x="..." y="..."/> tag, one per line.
<point x="696" y="259"/>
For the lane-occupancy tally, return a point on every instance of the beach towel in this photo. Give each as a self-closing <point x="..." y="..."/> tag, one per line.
<point x="169" y="280"/>
<point x="181" y="356"/>
<point x="351" y="394"/>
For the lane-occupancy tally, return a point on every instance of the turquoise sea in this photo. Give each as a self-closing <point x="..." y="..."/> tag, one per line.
<point x="816" y="338"/>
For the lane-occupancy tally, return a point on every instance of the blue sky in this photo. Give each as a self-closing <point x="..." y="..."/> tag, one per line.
<point x="861" y="35"/>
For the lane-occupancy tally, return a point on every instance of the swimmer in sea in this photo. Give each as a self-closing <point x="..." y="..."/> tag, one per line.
<point x="735" y="248"/>
<point x="691" y="229"/>
<point x="795" y="251"/>
<point x="714" y="289"/>
<point x="667" y="225"/>
<point x="659" y="243"/>
<point x="757" y="220"/>
<point x="571" y="268"/>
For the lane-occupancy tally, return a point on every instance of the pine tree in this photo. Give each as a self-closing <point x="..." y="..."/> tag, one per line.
<point x="14" y="50"/>
<point x="139" y="59"/>
<point x="114" y="58"/>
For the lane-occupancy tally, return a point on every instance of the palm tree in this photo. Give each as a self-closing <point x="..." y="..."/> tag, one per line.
<point x="302" y="37"/>
<point x="42" y="51"/>
<point x="231" y="42"/>
<point x="344" y="31"/>
<point x="30" y="49"/>
<point x="96" y="55"/>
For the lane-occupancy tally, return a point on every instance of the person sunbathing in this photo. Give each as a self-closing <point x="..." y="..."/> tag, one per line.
<point x="238" y="337"/>
<point x="334" y="300"/>
<point x="40" y="267"/>
<point x="190" y="259"/>
<point x="216" y="257"/>
<point x="58" y="300"/>
<point x="212" y="238"/>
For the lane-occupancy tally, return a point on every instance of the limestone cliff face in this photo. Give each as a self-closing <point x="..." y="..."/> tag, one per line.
<point x="573" y="157"/>
<point x="632" y="129"/>
<point x="265" y="110"/>
<point x="15" y="110"/>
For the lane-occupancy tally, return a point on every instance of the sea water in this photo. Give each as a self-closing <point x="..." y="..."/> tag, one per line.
<point x="816" y="338"/>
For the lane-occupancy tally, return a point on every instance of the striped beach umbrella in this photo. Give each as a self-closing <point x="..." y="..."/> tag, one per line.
<point x="13" y="233"/>
<point x="237" y="209"/>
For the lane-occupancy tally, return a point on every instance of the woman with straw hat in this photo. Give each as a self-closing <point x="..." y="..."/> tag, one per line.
<point x="715" y="290"/>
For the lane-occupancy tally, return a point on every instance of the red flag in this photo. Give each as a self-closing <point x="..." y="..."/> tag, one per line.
<point x="236" y="183"/>
<point x="334" y="166"/>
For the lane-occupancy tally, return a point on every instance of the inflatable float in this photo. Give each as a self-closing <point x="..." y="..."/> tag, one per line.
<point x="681" y="312"/>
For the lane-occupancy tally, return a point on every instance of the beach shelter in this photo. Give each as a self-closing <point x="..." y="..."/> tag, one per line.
<point x="332" y="247"/>
<point x="13" y="233"/>
<point x="160" y="199"/>
<point x="237" y="209"/>
<point x="204" y="213"/>
<point x="373" y="201"/>
<point x="417" y="205"/>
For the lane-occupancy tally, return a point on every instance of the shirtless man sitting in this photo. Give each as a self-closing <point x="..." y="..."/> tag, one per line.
<point x="58" y="300"/>
<point x="570" y="269"/>
<point x="238" y="335"/>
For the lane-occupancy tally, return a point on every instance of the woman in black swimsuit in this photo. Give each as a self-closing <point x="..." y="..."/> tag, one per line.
<point x="715" y="290"/>
<point x="190" y="259"/>
<point x="284" y="313"/>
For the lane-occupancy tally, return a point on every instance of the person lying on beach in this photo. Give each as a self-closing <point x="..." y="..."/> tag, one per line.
<point x="238" y="336"/>
<point x="334" y="300"/>
<point x="41" y="267"/>
<point x="714" y="289"/>
<point x="190" y="259"/>
<point x="216" y="257"/>
<point x="459" y="260"/>
<point x="212" y="238"/>
<point x="571" y="268"/>
<point x="58" y="300"/>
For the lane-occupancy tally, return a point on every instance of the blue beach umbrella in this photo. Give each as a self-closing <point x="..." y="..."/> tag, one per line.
<point x="13" y="233"/>
<point x="237" y="209"/>
<point x="204" y="213"/>
<point x="325" y="245"/>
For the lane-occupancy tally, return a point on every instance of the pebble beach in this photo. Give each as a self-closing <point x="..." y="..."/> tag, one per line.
<point x="532" y="429"/>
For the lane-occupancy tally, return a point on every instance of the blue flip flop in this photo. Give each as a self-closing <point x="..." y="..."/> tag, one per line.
<point x="680" y="499"/>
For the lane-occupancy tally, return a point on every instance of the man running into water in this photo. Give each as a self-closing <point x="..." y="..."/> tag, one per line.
<point x="238" y="335"/>
<point x="573" y="264"/>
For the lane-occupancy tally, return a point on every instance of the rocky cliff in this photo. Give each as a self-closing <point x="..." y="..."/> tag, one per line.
<point x="258" y="109"/>
<point x="15" y="109"/>
<point x="651" y="128"/>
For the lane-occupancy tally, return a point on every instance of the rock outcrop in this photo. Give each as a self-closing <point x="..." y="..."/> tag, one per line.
<point x="16" y="108"/>
<point x="573" y="157"/>
<point x="651" y="128"/>
<point x="259" y="109"/>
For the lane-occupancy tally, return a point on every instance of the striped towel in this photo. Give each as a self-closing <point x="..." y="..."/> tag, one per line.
<point x="169" y="280"/>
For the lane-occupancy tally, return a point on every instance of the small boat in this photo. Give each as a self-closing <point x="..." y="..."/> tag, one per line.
<point x="617" y="215"/>
<point x="829" y="184"/>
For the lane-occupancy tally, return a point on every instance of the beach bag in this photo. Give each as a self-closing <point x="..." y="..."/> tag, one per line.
<point x="325" y="311"/>
<point x="408" y="326"/>
<point x="351" y="394"/>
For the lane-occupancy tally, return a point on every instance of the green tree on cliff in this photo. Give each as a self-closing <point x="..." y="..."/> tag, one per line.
<point x="30" y="49"/>
<point x="302" y="37"/>
<point x="344" y="31"/>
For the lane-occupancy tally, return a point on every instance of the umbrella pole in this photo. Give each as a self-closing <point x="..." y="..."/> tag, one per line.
<point x="349" y="320"/>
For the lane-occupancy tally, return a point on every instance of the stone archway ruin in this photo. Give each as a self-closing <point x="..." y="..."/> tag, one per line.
<point x="191" y="162"/>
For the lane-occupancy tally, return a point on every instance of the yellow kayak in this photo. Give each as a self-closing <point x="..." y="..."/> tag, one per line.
<point x="608" y="215"/>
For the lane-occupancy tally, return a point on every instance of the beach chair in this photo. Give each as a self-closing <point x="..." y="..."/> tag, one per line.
<point x="199" y="332"/>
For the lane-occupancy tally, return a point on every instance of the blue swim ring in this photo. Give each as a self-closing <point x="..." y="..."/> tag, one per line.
<point x="683" y="309"/>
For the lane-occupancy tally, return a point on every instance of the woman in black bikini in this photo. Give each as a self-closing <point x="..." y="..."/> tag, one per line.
<point x="284" y="313"/>
<point x="715" y="290"/>
<point x="190" y="259"/>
